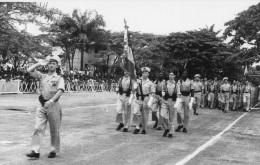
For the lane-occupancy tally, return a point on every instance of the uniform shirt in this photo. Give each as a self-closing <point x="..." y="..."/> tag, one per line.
<point x="234" y="88"/>
<point x="247" y="89"/>
<point x="205" y="86"/>
<point x="198" y="86"/>
<point x="147" y="87"/>
<point x="125" y="83"/>
<point x="171" y="87"/>
<point x="160" y="86"/>
<point x="49" y="84"/>
<point x="226" y="87"/>
<point x="211" y="87"/>
<point x="184" y="86"/>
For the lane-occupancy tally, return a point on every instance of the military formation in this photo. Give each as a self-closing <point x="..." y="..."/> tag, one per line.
<point x="173" y="100"/>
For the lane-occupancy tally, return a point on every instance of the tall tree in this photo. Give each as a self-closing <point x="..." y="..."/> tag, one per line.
<point x="77" y="31"/>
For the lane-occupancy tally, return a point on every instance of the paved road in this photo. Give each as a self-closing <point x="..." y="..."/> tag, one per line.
<point x="88" y="135"/>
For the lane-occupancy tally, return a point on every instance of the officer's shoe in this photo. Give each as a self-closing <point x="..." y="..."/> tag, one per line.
<point x="170" y="135"/>
<point x="120" y="126"/>
<point x="165" y="133"/>
<point x="136" y="131"/>
<point x="195" y="113"/>
<point x="179" y="128"/>
<point x="185" y="130"/>
<point x="52" y="155"/>
<point x="125" y="130"/>
<point x="33" y="155"/>
<point x="159" y="128"/>
<point x="143" y="132"/>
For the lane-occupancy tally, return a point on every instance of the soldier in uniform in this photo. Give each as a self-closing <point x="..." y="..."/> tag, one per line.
<point x="168" y="110"/>
<point x="216" y="92"/>
<point x="125" y="89"/>
<point x="246" y="96"/>
<point x="51" y="88"/>
<point x="211" y="95"/>
<point x="234" y="96"/>
<point x="205" y="93"/>
<point x="226" y="91"/>
<point x="159" y="88"/>
<point x="145" y="89"/>
<point x="198" y="88"/>
<point x="185" y="90"/>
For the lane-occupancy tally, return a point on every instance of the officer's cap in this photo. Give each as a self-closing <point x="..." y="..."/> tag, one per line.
<point x="197" y="75"/>
<point x="145" y="69"/>
<point x="225" y="78"/>
<point x="55" y="58"/>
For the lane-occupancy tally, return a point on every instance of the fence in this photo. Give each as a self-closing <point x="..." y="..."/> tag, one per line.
<point x="18" y="86"/>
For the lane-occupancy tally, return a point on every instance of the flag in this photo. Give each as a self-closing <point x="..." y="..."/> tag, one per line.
<point x="246" y="70"/>
<point x="128" y="63"/>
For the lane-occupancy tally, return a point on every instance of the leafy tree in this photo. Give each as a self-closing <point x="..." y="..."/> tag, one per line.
<point x="245" y="30"/>
<point x="77" y="31"/>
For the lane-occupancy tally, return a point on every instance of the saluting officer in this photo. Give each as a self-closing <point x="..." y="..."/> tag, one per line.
<point x="226" y="90"/>
<point x="198" y="88"/>
<point x="145" y="89"/>
<point x="125" y="89"/>
<point x="168" y="110"/>
<point x="159" y="88"/>
<point x="185" y="90"/>
<point x="51" y="88"/>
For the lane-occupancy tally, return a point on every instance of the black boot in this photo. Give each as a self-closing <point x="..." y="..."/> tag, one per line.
<point x="170" y="135"/>
<point x="52" y="155"/>
<point x="125" y="130"/>
<point x="165" y="133"/>
<point x="185" y="130"/>
<point x="33" y="155"/>
<point x="136" y="131"/>
<point x="121" y="125"/>
<point x="143" y="132"/>
<point x="155" y="118"/>
<point x="179" y="128"/>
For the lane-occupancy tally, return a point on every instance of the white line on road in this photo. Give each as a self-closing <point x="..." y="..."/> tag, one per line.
<point x="208" y="143"/>
<point x="72" y="108"/>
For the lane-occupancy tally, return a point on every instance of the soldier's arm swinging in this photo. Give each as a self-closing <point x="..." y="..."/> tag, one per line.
<point x="55" y="98"/>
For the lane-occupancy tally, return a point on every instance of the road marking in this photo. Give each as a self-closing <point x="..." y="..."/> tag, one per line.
<point x="208" y="143"/>
<point x="72" y="108"/>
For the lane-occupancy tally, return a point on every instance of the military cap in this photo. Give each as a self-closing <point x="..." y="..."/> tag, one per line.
<point x="145" y="69"/>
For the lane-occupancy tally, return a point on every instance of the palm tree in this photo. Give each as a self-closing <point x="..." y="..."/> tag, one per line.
<point x="87" y="27"/>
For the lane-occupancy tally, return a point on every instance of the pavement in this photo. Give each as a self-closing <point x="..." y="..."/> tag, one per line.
<point x="88" y="135"/>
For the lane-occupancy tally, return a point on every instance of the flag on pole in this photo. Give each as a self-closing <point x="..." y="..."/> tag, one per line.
<point x="128" y="63"/>
<point x="246" y="70"/>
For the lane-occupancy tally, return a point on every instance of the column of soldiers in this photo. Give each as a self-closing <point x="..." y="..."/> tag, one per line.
<point x="169" y="98"/>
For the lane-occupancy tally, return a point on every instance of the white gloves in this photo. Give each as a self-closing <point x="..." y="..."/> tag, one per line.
<point x="192" y="99"/>
<point x="131" y="99"/>
<point x="150" y="102"/>
<point x="135" y="86"/>
<point x="177" y="103"/>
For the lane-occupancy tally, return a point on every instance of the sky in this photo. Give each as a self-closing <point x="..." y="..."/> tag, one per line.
<point x="157" y="16"/>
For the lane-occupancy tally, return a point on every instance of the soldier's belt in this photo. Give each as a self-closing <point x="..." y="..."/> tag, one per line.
<point x="197" y="91"/>
<point x="185" y="93"/>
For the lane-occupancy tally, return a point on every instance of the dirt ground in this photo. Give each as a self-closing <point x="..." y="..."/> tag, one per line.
<point x="88" y="135"/>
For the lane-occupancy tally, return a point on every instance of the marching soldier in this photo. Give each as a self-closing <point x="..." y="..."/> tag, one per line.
<point x="51" y="88"/>
<point x="160" y="87"/>
<point x="145" y="89"/>
<point x="168" y="110"/>
<point x="205" y="93"/>
<point x="211" y="95"/>
<point x="216" y="83"/>
<point x="198" y="88"/>
<point x="234" y="96"/>
<point x="125" y="88"/>
<point x="246" y="96"/>
<point x="185" y="90"/>
<point x="226" y="90"/>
